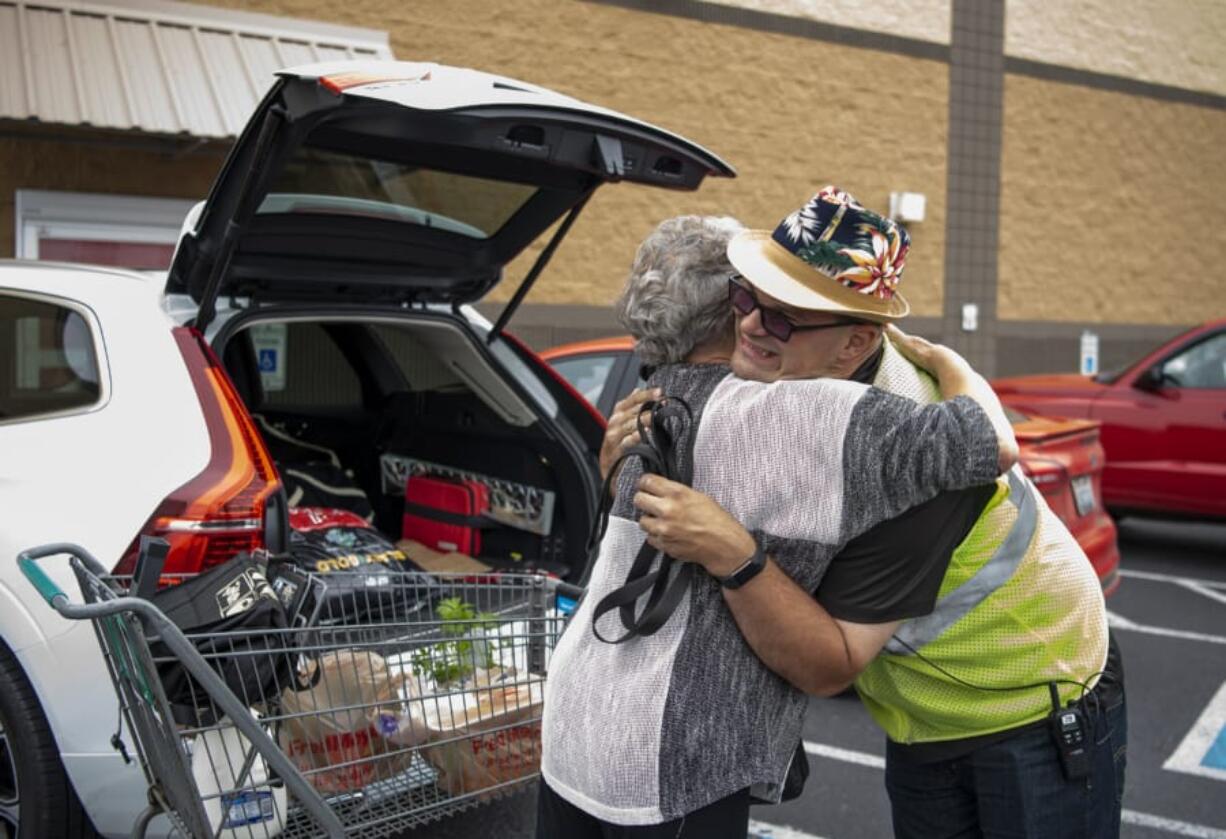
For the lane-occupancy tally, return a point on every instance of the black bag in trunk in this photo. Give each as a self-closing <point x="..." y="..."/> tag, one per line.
<point x="360" y="576"/>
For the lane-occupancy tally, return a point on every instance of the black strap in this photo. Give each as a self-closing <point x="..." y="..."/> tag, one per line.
<point x="447" y="517"/>
<point x="664" y="589"/>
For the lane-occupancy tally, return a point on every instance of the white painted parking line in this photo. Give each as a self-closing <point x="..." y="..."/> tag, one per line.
<point x="1205" y="588"/>
<point x="762" y="830"/>
<point x="1203" y="591"/>
<point x="1197" y="831"/>
<point x="845" y="755"/>
<point x="1121" y="622"/>
<point x="1203" y="750"/>
<point x="1171" y="578"/>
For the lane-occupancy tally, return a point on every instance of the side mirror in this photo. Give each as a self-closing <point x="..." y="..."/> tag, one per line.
<point x="1153" y="380"/>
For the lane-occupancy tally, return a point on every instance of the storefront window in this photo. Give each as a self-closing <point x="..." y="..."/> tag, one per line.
<point x="119" y="230"/>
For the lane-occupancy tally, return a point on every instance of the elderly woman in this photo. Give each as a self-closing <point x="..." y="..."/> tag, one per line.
<point x="668" y="733"/>
<point x="675" y="304"/>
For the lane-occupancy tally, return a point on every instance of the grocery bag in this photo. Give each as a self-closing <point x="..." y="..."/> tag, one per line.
<point x="337" y="733"/>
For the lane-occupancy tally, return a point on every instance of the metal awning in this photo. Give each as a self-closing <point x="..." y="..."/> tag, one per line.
<point x="155" y="66"/>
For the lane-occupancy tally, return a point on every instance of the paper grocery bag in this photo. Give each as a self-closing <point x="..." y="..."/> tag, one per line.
<point x="337" y="731"/>
<point x="486" y="736"/>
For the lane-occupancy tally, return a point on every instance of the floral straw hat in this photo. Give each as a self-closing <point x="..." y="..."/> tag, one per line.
<point x="831" y="255"/>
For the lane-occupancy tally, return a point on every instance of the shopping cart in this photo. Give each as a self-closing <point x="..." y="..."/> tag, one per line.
<point x="388" y="708"/>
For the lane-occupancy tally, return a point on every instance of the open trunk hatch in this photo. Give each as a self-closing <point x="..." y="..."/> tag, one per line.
<point x="407" y="182"/>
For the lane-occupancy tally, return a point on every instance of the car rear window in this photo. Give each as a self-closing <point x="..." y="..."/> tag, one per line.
<point x="48" y="361"/>
<point x="335" y="183"/>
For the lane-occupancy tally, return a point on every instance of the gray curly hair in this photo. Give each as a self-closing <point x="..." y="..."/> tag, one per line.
<point x="676" y="296"/>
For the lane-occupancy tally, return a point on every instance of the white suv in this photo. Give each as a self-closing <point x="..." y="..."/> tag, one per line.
<point x="318" y="295"/>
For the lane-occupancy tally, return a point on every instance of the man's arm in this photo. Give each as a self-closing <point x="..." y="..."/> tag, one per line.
<point x="798" y="639"/>
<point x="782" y="623"/>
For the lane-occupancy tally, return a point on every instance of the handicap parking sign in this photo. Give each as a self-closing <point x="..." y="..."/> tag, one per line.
<point x="268" y="360"/>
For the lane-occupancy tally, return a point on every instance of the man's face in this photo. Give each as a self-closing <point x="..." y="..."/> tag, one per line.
<point x="805" y="355"/>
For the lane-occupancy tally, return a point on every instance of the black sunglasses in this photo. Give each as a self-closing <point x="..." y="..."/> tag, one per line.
<point x="775" y="322"/>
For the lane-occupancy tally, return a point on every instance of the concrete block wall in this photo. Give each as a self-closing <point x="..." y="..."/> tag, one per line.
<point x="1069" y="186"/>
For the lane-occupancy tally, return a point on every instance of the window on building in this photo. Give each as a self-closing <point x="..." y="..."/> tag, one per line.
<point x="48" y="358"/>
<point x="120" y="230"/>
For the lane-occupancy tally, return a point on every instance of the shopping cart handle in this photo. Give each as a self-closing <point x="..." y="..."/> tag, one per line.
<point x="568" y="590"/>
<point x="38" y="577"/>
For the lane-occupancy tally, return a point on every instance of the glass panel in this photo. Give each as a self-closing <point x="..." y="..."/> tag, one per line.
<point x="1202" y="366"/>
<point x="317" y="181"/>
<point x="587" y="374"/>
<point x="145" y="256"/>
<point x="47" y="360"/>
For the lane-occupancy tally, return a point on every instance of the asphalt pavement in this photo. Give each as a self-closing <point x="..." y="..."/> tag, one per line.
<point x="1169" y="615"/>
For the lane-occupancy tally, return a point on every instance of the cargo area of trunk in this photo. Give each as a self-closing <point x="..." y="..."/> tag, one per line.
<point x="351" y="407"/>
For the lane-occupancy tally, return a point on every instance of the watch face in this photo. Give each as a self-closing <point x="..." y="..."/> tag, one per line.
<point x="746" y="572"/>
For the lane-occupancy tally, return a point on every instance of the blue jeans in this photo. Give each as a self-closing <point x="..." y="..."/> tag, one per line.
<point x="1014" y="788"/>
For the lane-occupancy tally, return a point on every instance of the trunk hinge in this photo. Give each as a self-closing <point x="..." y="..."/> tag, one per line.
<point x="538" y="266"/>
<point x="244" y="209"/>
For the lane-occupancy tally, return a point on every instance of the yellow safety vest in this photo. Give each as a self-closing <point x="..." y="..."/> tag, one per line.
<point x="1019" y="605"/>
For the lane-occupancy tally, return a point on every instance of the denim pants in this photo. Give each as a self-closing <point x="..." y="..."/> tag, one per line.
<point x="1014" y="789"/>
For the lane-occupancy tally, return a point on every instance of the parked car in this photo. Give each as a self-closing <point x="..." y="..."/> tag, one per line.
<point x="1163" y="423"/>
<point x="319" y="294"/>
<point x="1063" y="458"/>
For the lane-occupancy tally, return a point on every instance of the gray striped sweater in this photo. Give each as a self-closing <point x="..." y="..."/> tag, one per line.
<point x="646" y="731"/>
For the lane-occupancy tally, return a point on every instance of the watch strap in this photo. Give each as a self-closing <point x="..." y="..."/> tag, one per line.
<point x="749" y="569"/>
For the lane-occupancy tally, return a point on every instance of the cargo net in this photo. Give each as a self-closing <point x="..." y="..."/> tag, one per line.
<point x="425" y="703"/>
<point x="511" y="503"/>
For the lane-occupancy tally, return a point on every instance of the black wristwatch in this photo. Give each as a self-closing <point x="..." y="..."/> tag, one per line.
<point x="749" y="569"/>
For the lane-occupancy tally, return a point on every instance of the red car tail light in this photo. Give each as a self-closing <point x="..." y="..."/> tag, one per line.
<point x="1048" y="475"/>
<point x="227" y="508"/>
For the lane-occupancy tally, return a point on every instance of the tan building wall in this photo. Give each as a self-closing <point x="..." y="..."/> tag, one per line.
<point x="790" y="114"/>
<point x="103" y="164"/>
<point x="1113" y="207"/>
<point x="926" y="20"/>
<point x="1174" y="42"/>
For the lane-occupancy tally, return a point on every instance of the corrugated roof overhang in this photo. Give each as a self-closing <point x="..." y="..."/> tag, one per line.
<point x="155" y="66"/>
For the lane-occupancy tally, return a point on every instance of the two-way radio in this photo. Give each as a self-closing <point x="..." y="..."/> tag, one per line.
<point x="1068" y="732"/>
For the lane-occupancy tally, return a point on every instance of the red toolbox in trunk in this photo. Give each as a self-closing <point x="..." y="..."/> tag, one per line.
<point x="446" y="515"/>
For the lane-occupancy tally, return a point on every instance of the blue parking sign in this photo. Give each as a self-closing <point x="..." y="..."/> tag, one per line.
<point x="268" y="360"/>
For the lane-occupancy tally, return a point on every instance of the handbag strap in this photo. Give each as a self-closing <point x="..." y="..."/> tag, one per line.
<point x="664" y="589"/>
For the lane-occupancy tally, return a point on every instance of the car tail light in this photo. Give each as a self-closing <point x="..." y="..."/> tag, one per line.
<point x="1048" y="475"/>
<point x="231" y="505"/>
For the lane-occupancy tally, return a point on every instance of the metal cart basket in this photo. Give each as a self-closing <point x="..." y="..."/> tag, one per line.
<point x="387" y="707"/>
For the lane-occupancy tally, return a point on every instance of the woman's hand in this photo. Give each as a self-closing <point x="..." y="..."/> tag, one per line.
<point x="622" y="430"/>
<point x="691" y="526"/>
<point x="923" y="353"/>
<point x="956" y="377"/>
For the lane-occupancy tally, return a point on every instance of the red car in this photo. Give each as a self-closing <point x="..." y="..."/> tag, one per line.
<point x="1163" y="423"/>
<point x="1063" y="457"/>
